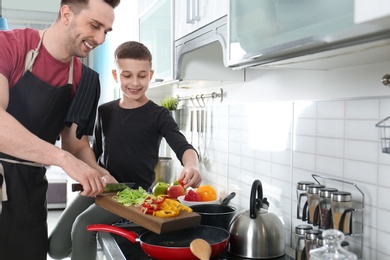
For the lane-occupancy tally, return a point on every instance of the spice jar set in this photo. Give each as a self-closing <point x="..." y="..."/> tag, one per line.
<point x="326" y="208"/>
<point x="307" y="238"/>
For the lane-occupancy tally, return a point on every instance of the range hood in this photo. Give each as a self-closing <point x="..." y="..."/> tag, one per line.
<point x="201" y="55"/>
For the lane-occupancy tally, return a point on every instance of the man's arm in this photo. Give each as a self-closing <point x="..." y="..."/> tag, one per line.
<point x="82" y="150"/>
<point x="17" y="141"/>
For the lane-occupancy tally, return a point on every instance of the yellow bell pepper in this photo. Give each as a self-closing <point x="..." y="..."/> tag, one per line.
<point x="171" y="208"/>
<point x="165" y="214"/>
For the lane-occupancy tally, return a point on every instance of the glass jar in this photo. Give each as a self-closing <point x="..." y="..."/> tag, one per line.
<point x="302" y="196"/>
<point x="300" y="232"/>
<point x="332" y="248"/>
<point x="313" y="199"/>
<point x="341" y="211"/>
<point x="321" y="242"/>
<point x="311" y="241"/>
<point x="324" y="207"/>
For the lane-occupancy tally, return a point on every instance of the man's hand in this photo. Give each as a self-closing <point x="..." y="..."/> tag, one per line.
<point x="80" y="162"/>
<point x="89" y="178"/>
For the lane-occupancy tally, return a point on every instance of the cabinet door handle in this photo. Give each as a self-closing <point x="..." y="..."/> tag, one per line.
<point x="193" y="11"/>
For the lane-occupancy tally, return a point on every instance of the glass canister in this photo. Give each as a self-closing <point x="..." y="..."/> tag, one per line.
<point x="300" y="232"/>
<point x="321" y="242"/>
<point x="324" y="207"/>
<point x="302" y="196"/>
<point x="311" y="241"/>
<point x="341" y="206"/>
<point x="332" y="248"/>
<point x="313" y="199"/>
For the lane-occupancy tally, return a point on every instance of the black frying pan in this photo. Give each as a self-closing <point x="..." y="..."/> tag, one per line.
<point x="172" y="245"/>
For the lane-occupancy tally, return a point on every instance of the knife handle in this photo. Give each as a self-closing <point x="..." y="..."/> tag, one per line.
<point x="77" y="187"/>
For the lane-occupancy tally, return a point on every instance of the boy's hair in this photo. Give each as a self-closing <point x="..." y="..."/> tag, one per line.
<point x="79" y="5"/>
<point x="133" y="50"/>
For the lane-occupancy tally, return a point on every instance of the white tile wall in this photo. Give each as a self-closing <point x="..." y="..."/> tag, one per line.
<point x="281" y="143"/>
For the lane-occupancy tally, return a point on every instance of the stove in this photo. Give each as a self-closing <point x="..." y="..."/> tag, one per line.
<point x="112" y="243"/>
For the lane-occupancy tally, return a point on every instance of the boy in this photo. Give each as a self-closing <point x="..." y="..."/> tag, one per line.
<point x="128" y="133"/>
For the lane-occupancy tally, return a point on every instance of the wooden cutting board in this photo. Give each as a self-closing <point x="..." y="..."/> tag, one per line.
<point x="156" y="224"/>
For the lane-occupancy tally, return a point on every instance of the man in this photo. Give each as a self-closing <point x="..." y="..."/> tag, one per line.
<point x="46" y="93"/>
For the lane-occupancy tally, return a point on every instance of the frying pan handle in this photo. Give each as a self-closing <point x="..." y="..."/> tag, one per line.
<point x="131" y="236"/>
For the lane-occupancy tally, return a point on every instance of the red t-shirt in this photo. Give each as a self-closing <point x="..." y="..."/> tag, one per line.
<point x="14" y="45"/>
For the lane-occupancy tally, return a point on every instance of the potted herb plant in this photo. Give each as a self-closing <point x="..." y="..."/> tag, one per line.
<point x="171" y="104"/>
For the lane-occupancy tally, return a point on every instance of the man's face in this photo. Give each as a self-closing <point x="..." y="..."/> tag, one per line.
<point x="134" y="77"/>
<point x="88" y="29"/>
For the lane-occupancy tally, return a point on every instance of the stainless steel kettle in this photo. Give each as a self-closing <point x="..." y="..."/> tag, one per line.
<point x="257" y="233"/>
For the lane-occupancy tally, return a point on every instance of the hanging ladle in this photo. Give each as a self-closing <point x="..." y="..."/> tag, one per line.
<point x="201" y="249"/>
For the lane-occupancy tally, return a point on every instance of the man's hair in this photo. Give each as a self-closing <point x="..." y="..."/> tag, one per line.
<point x="133" y="50"/>
<point x="79" y="5"/>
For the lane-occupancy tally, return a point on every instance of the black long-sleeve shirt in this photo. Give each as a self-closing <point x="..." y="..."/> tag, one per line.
<point x="127" y="141"/>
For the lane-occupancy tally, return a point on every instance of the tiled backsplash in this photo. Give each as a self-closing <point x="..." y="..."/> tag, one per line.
<point x="281" y="143"/>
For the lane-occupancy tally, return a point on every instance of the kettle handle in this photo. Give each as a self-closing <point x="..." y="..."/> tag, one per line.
<point x="255" y="203"/>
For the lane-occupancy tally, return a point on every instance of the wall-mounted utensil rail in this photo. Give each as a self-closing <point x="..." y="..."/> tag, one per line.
<point x="200" y="103"/>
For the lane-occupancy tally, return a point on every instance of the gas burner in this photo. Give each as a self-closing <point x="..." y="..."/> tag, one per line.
<point x="134" y="251"/>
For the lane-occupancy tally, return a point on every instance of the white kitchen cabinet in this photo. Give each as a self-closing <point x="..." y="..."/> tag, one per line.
<point x="371" y="10"/>
<point x="191" y="15"/>
<point x="156" y="32"/>
<point x="260" y="29"/>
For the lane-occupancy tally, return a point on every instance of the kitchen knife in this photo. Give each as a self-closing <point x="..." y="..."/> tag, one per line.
<point x="110" y="187"/>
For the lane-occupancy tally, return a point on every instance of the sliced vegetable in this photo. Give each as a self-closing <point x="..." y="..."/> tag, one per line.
<point x="131" y="197"/>
<point x="166" y="214"/>
<point x="171" y="208"/>
<point x="159" y="206"/>
<point x="152" y="204"/>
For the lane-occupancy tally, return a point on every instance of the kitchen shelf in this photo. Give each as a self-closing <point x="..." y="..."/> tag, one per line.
<point x="385" y="135"/>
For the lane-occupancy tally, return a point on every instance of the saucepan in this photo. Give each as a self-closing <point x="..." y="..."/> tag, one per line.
<point x="217" y="215"/>
<point x="172" y="245"/>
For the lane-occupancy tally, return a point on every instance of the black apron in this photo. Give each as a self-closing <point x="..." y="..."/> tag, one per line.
<point x="41" y="108"/>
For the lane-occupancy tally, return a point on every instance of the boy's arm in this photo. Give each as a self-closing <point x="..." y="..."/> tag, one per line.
<point x="190" y="174"/>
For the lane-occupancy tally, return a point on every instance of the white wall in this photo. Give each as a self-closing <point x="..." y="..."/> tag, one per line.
<point x="282" y="126"/>
<point x="125" y="28"/>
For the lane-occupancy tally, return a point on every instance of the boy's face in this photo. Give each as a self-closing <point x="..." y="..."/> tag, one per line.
<point x="134" y="77"/>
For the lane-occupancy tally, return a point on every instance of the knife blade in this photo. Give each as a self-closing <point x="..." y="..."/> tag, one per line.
<point x="110" y="187"/>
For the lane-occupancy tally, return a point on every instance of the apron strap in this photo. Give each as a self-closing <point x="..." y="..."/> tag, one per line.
<point x="32" y="55"/>
<point x="70" y="78"/>
<point x="33" y="164"/>
<point x="3" y="194"/>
